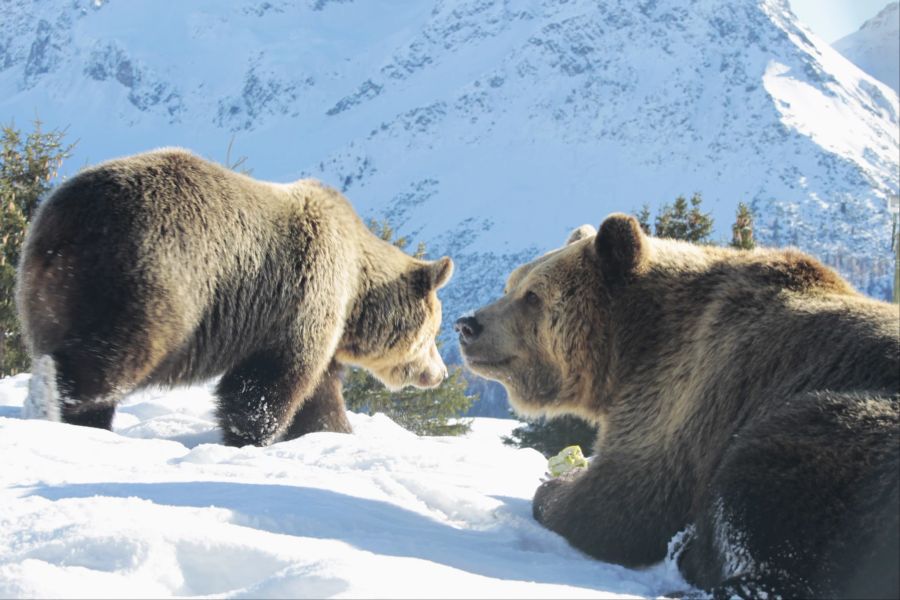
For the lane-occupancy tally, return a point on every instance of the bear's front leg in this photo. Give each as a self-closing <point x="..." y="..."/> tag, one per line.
<point x="605" y="512"/>
<point x="325" y="409"/>
<point x="259" y="397"/>
<point x="549" y="494"/>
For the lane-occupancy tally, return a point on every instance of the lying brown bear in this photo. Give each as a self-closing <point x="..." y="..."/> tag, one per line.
<point x="164" y="268"/>
<point x="749" y="398"/>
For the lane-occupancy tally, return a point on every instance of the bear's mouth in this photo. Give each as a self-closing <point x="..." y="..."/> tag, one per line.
<point x="485" y="363"/>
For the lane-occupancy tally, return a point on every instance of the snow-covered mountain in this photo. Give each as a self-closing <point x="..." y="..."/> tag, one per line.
<point x="875" y="47"/>
<point x="159" y="508"/>
<point x="486" y="128"/>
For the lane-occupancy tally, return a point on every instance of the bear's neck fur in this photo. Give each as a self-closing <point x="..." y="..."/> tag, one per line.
<point x="389" y="308"/>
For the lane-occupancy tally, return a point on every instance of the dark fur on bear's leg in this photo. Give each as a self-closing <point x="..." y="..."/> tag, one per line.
<point x="842" y="540"/>
<point x="258" y="398"/>
<point x="90" y="386"/>
<point x="589" y="513"/>
<point x="324" y="410"/>
<point x="101" y="417"/>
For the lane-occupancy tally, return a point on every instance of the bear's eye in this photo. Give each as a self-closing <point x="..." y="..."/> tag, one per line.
<point x="531" y="298"/>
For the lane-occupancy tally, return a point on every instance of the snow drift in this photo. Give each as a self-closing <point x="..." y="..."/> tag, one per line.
<point x="159" y="508"/>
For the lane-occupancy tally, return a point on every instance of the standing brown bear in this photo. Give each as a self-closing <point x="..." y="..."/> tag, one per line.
<point x="747" y="398"/>
<point x="164" y="268"/>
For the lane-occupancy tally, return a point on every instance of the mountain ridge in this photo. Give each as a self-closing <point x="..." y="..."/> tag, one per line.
<point x="486" y="128"/>
<point x="875" y="46"/>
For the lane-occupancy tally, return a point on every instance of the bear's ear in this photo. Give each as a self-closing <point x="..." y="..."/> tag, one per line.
<point x="432" y="275"/>
<point x="441" y="270"/>
<point x="621" y="246"/>
<point x="585" y="231"/>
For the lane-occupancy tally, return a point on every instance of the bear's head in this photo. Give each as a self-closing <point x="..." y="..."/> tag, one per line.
<point x="391" y="331"/>
<point x="545" y="339"/>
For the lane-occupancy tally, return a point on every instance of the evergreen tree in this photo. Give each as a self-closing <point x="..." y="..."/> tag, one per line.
<point x="386" y="232"/>
<point x="424" y="412"/>
<point x="549" y="436"/>
<point x="742" y="230"/>
<point x="28" y="167"/>
<point x="643" y="217"/>
<point x="678" y="221"/>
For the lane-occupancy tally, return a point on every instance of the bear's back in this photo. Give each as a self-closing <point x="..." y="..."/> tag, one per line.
<point x="206" y="243"/>
<point x="161" y="186"/>
<point x="168" y="207"/>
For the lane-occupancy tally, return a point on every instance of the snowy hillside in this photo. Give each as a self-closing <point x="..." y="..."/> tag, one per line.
<point x="160" y="508"/>
<point x="875" y="48"/>
<point x="486" y="128"/>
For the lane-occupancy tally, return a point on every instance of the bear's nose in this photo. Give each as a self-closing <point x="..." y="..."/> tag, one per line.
<point x="468" y="329"/>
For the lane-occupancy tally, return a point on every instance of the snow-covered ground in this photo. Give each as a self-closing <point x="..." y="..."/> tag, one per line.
<point x="160" y="507"/>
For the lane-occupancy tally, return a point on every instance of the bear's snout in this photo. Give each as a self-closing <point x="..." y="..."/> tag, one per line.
<point x="468" y="329"/>
<point x="431" y="378"/>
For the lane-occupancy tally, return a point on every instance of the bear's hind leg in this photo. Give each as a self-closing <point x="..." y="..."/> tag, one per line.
<point x="82" y="379"/>
<point x="77" y="388"/>
<point x="761" y="527"/>
<point x="804" y="502"/>
<point x="100" y="417"/>
<point x="91" y="384"/>
<point x="324" y="410"/>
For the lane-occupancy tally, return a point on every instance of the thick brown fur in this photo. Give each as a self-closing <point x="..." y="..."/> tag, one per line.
<point x="749" y="398"/>
<point x="163" y="268"/>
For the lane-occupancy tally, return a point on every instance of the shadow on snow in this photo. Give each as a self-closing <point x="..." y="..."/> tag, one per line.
<point x="511" y="553"/>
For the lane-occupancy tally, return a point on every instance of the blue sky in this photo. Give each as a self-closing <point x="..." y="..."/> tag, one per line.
<point x="833" y="19"/>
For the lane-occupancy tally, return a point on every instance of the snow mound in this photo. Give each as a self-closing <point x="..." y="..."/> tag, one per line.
<point x="159" y="507"/>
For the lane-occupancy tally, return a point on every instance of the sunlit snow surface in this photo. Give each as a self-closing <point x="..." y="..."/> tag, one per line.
<point x="160" y="508"/>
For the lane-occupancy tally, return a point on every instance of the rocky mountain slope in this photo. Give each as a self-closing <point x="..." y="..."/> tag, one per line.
<point x="486" y="128"/>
